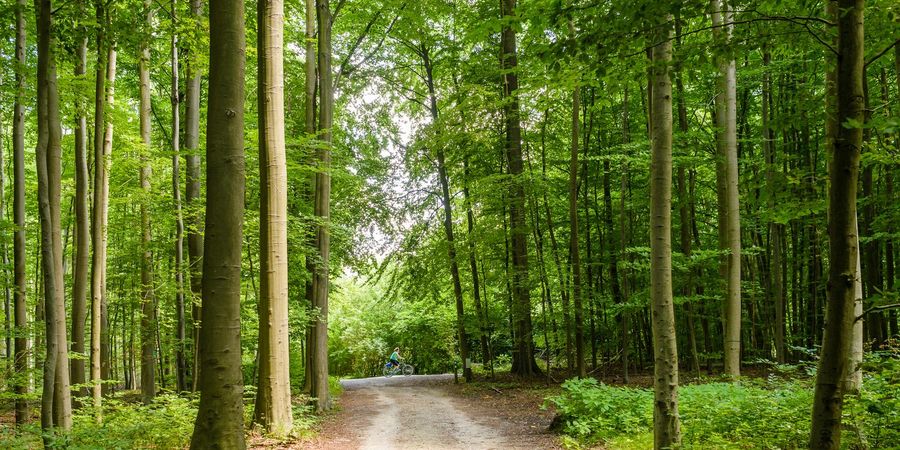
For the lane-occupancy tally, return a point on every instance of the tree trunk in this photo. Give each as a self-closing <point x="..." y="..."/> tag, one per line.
<point x="103" y="134"/>
<point x="322" y="210"/>
<point x="311" y="86"/>
<point x="666" y="429"/>
<point x="273" y="396"/>
<point x="19" y="262"/>
<point x="843" y="240"/>
<point x="56" y="404"/>
<point x="220" y="417"/>
<point x="180" y="360"/>
<point x="443" y="178"/>
<point x="82" y="229"/>
<point x="473" y="266"/>
<point x="192" y="194"/>
<point x="574" y="257"/>
<point x="726" y="122"/>
<point x="776" y="281"/>
<point x="148" y="294"/>
<point x="523" y="363"/>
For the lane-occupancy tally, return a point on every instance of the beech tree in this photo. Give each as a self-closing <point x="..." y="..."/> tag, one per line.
<point x="220" y="418"/>
<point x="273" y="397"/>
<point x="843" y="238"/>
<point x="666" y="427"/>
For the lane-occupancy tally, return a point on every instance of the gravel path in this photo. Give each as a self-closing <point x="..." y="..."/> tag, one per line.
<point x="419" y="412"/>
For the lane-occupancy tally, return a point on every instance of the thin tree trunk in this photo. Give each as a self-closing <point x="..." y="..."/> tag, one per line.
<point x="148" y="295"/>
<point x="574" y="256"/>
<point x="473" y="266"/>
<point x="19" y="262"/>
<point x="180" y="360"/>
<point x="843" y="241"/>
<point x="443" y="178"/>
<point x="82" y="254"/>
<point x="220" y="417"/>
<point x="192" y="194"/>
<point x="726" y="122"/>
<point x="56" y="404"/>
<point x="776" y="281"/>
<point x="273" y="395"/>
<point x="310" y="128"/>
<point x="666" y="427"/>
<point x="322" y="209"/>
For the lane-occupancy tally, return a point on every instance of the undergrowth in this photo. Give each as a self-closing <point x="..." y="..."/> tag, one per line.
<point x="757" y="414"/>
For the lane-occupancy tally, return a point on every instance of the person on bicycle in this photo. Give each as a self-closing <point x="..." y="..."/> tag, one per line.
<point x="395" y="357"/>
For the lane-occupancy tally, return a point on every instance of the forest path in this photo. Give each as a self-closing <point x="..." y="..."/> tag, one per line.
<point x="422" y="412"/>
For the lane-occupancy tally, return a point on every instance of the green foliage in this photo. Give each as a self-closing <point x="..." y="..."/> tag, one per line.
<point x="749" y="414"/>
<point x="873" y="417"/>
<point x="166" y="423"/>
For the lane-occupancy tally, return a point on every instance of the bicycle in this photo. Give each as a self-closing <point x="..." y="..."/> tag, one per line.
<point x="390" y="370"/>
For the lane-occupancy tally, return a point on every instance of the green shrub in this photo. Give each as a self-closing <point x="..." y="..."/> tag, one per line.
<point x="718" y="415"/>
<point x="873" y="417"/>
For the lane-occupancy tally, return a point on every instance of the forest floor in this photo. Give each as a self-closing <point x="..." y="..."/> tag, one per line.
<point x="431" y="412"/>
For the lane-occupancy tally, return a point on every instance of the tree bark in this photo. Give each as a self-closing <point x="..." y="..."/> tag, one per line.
<point x="220" y="417"/>
<point x="273" y="396"/>
<point x="148" y="295"/>
<point x="180" y="344"/>
<point x="192" y="193"/>
<point x="322" y="210"/>
<point x="19" y="262"/>
<point x="726" y="139"/>
<point x="843" y="240"/>
<point x="103" y="135"/>
<point x="56" y="404"/>
<point x="523" y="363"/>
<point x="82" y="229"/>
<point x="574" y="256"/>
<point x="776" y="281"/>
<point x="311" y="86"/>
<point x="666" y="428"/>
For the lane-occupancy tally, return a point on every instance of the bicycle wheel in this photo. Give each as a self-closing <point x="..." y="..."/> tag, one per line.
<point x="408" y="370"/>
<point x="387" y="371"/>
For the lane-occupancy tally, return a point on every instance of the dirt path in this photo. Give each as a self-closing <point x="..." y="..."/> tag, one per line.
<point x="425" y="412"/>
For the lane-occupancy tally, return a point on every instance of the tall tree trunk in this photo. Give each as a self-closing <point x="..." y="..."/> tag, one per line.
<point x="843" y="240"/>
<point x="192" y="193"/>
<point x="473" y="266"/>
<point x="623" y="239"/>
<point x="523" y="363"/>
<point x="273" y="396"/>
<point x="443" y="178"/>
<point x="666" y="428"/>
<point x="19" y="262"/>
<point x="574" y="257"/>
<point x="220" y="417"/>
<point x="776" y="281"/>
<point x="56" y="404"/>
<point x="684" y="228"/>
<point x="310" y="128"/>
<point x="82" y="229"/>
<point x="322" y="210"/>
<point x="726" y="139"/>
<point x="103" y="135"/>
<point x="148" y="294"/>
<point x="180" y="344"/>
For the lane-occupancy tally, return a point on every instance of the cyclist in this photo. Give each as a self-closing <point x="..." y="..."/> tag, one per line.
<point x="395" y="357"/>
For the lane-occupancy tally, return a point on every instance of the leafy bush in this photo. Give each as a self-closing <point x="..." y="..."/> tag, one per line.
<point x="166" y="423"/>
<point x="873" y="417"/>
<point x="746" y="415"/>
